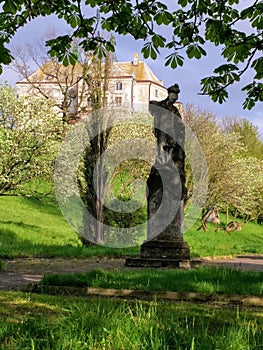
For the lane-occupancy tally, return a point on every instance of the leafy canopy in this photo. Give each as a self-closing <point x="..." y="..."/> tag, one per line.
<point x="191" y="24"/>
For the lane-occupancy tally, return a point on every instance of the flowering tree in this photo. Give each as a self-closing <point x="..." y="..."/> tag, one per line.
<point x="235" y="176"/>
<point x="29" y="139"/>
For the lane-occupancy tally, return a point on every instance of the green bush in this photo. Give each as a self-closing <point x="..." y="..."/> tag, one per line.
<point x="126" y="214"/>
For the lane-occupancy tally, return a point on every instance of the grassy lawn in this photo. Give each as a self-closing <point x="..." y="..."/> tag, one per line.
<point x="56" y="323"/>
<point x="202" y="279"/>
<point x="31" y="227"/>
<point x="247" y="241"/>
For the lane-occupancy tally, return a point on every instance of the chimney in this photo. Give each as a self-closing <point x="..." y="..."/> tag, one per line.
<point x="135" y="61"/>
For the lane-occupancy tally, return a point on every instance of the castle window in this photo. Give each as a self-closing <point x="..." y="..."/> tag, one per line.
<point x="118" y="100"/>
<point x="156" y="93"/>
<point x="119" y="85"/>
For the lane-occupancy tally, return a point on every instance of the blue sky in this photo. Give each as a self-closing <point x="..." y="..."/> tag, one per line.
<point x="188" y="76"/>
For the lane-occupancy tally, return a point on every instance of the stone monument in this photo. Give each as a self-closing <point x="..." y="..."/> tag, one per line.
<point x="166" y="191"/>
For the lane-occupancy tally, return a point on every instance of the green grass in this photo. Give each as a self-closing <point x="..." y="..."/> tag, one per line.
<point x="201" y="279"/>
<point x="247" y="241"/>
<point x="56" y="323"/>
<point x="31" y="227"/>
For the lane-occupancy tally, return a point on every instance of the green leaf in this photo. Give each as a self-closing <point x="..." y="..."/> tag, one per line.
<point x="258" y="66"/>
<point x="100" y="51"/>
<point x="5" y="55"/>
<point x="153" y="53"/>
<point x="109" y="46"/>
<point x="69" y="58"/>
<point x="247" y="12"/>
<point x="254" y="94"/>
<point x="106" y="25"/>
<point x="163" y="17"/>
<point x="202" y="6"/>
<point x="183" y="3"/>
<point x="73" y="20"/>
<point x="10" y="6"/>
<point x="237" y="52"/>
<point x="195" y="51"/>
<point x="174" y="60"/>
<point x="149" y="51"/>
<point x="248" y="104"/>
<point x="91" y="3"/>
<point x="257" y="19"/>
<point x="158" y="40"/>
<point x="225" y="68"/>
<point x="219" y="96"/>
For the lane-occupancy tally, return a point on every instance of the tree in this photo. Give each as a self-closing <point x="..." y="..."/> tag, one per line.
<point x="74" y="89"/>
<point x="30" y="134"/>
<point x="193" y="23"/>
<point x="235" y="177"/>
<point x="93" y="192"/>
<point x="247" y="133"/>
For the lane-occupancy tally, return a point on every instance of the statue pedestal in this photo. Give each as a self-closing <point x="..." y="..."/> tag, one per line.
<point x="157" y="253"/>
<point x="174" y="249"/>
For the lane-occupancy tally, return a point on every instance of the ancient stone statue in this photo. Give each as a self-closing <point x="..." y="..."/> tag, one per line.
<point x="166" y="191"/>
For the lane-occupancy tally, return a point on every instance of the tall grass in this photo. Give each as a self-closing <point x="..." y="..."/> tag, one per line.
<point x="45" y="322"/>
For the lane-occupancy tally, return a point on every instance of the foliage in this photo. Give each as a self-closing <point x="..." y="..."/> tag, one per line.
<point x="191" y="25"/>
<point x="30" y="132"/>
<point x="116" y="218"/>
<point x="48" y="322"/>
<point x="247" y="133"/>
<point x="235" y="176"/>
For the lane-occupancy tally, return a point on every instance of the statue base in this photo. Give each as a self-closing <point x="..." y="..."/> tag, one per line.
<point x="157" y="253"/>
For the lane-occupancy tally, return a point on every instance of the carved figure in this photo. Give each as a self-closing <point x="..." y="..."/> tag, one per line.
<point x="169" y="167"/>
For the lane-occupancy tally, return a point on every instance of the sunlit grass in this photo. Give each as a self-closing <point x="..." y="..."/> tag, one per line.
<point x="202" y="279"/>
<point x="48" y="322"/>
<point x="247" y="241"/>
<point x="30" y="227"/>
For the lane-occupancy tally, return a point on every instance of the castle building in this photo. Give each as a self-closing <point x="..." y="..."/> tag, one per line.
<point x="129" y="84"/>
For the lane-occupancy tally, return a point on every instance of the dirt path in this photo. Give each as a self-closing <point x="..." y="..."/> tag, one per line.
<point x="18" y="273"/>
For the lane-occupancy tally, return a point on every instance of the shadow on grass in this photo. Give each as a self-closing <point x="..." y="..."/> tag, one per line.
<point x="47" y="205"/>
<point x="11" y="247"/>
<point x="19" y="224"/>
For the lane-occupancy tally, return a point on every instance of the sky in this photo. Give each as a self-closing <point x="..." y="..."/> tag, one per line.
<point x="188" y="77"/>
